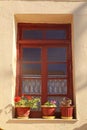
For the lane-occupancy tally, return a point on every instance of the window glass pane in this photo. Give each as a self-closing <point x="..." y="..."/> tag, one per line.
<point x="31" y="86"/>
<point x="56" y="54"/>
<point x="32" y="34"/>
<point x="31" y="70"/>
<point x="56" y="34"/>
<point x="57" y="86"/>
<point x="56" y="70"/>
<point x="31" y="54"/>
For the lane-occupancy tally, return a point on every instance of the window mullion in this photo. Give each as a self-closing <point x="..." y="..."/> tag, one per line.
<point x="44" y="75"/>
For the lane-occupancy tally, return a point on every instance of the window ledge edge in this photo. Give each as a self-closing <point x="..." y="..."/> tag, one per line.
<point x="41" y="120"/>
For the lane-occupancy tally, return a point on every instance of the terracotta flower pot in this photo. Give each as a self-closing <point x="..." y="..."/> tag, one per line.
<point x="66" y="112"/>
<point x="22" y="112"/>
<point x="48" y="112"/>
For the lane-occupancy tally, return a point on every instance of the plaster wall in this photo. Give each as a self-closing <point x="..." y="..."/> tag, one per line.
<point x="12" y="12"/>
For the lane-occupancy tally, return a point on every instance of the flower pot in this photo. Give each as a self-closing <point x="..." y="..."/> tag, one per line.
<point x="66" y="112"/>
<point x="48" y="112"/>
<point x="22" y="112"/>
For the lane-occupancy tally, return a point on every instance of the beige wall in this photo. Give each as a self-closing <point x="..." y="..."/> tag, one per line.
<point x="46" y="12"/>
<point x="52" y="0"/>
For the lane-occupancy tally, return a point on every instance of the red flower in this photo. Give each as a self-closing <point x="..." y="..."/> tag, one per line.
<point x="17" y="99"/>
<point x="29" y="97"/>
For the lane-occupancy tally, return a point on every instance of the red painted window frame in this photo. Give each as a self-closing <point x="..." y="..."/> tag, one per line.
<point x="36" y="43"/>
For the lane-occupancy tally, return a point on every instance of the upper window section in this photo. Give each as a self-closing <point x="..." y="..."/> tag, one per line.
<point x="32" y="34"/>
<point x="56" y="54"/>
<point x="44" y="32"/>
<point x="31" y="54"/>
<point x="55" y="34"/>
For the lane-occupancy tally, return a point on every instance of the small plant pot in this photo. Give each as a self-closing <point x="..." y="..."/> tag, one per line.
<point x="66" y="112"/>
<point x="22" y="112"/>
<point x="48" y="112"/>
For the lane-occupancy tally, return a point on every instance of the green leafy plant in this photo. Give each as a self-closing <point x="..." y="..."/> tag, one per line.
<point x="51" y="103"/>
<point x="26" y="101"/>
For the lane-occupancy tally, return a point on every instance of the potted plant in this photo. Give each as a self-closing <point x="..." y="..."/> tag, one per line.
<point x="23" y="105"/>
<point x="49" y="109"/>
<point x="66" y="108"/>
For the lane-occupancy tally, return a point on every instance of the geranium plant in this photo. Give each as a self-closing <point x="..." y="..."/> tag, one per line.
<point x="51" y="103"/>
<point x="26" y="101"/>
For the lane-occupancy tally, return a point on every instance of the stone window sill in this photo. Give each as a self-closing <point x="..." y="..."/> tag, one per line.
<point x="40" y="120"/>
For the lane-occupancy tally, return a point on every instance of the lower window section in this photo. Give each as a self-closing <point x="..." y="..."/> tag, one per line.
<point x="31" y="86"/>
<point x="57" y="86"/>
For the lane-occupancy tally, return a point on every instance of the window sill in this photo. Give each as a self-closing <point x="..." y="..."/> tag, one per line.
<point x="40" y="120"/>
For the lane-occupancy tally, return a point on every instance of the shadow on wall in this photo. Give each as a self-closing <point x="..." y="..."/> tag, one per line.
<point x="1" y="129"/>
<point x="8" y="109"/>
<point x="83" y="127"/>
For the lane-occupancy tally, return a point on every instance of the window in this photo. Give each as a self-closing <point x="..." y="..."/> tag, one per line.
<point x="44" y="62"/>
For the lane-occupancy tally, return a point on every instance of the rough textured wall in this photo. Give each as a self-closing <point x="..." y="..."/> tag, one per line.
<point x="9" y="11"/>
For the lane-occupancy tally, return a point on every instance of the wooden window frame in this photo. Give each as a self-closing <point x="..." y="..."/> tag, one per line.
<point x="37" y="43"/>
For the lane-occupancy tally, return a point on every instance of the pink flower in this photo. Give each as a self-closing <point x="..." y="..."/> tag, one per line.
<point x="53" y="102"/>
